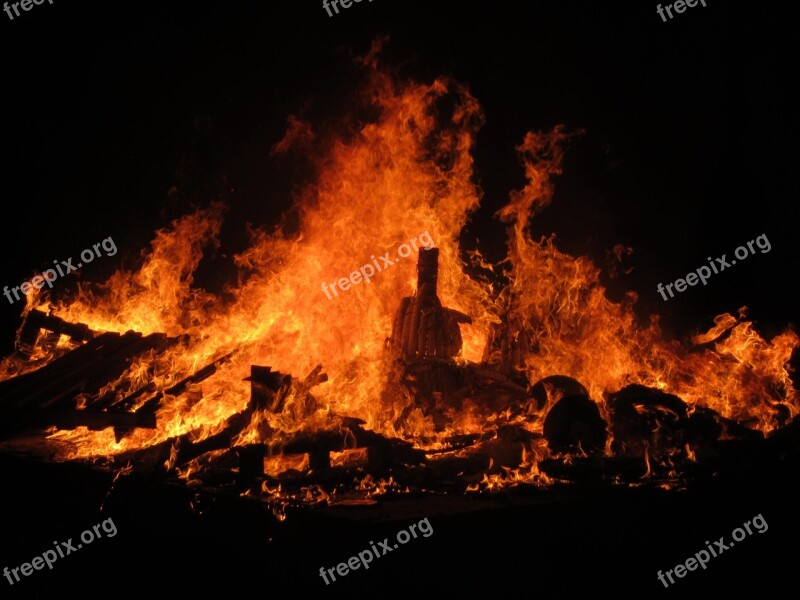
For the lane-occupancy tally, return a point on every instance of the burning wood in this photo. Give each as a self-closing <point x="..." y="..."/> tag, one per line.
<point x="422" y="326"/>
<point x="36" y="321"/>
<point x="535" y="385"/>
<point x="61" y="392"/>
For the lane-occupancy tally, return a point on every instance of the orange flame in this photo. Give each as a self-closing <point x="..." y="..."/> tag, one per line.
<point x="406" y="169"/>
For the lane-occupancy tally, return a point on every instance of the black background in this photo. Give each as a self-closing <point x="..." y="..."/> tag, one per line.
<point x="688" y="153"/>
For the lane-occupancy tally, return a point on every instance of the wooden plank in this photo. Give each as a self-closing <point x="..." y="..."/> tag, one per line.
<point x="52" y="389"/>
<point x="98" y="369"/>
<point x="37" y="320"/>
<point x="180" y="387"/>
<point x="17" y="391"/>
<point x="153" y="456"/>
<point x="127" y="402"/>
<point x="85" y="369"/>
<point x="399" y="321"/>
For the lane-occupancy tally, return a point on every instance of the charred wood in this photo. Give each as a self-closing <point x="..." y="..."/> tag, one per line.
<point x="574" y="423"/>
<point x="85" y="369"/>
<point x="36" y="320"/>
<point x="20" y="420"/>
<point x="422" y="327"/>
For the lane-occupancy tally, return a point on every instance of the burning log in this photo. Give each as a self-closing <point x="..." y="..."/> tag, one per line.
<point x="436" y="385"/>
<point x="422" y="327"/>
<point x="313" y="379"/>
<point x="49" y="396"/>
<point x="268" y="391"/>
<point x="428" y="336"/>
<point x="467" y="459"/>
<point x="36" y="320"/>
<point x="347" y="433"/>
<point x="152" y="404"/>
<point x="655" y="427"/>
<point x="110" y="399"/>
<point x="647" y="420"/>
<point x="85" y="369"/>
<point x="179" y="388"/>
<point x="179" y="450"/>
<point x="553" y="388"/>
<point x="574" y="422"/>
<point x="266" y="386"/>
<point x="508" y="345"/>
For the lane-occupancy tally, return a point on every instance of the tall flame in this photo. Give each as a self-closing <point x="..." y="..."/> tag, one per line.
<point x="401" y="166"/>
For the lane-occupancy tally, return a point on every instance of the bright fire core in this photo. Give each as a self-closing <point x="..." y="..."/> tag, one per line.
<point x="407" y="168"/>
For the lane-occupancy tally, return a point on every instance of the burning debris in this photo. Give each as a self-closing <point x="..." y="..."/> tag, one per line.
<point x="531" y="376"/>
<point x="284" y="439"/>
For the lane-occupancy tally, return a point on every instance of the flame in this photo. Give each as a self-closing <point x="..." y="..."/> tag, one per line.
<point x="400" y="166"/>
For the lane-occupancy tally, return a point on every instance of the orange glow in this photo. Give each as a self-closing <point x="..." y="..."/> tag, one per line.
<point x="407" y="170"/>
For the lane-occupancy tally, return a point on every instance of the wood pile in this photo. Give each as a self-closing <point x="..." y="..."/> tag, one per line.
<point x="64" y="392"/>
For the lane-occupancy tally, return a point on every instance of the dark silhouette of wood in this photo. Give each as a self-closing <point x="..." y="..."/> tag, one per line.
<point x="49" y="396"/>
<point x="422" y="327"/>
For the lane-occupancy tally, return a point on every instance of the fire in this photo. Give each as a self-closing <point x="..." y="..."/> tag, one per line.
<point x="400" y="165"/>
